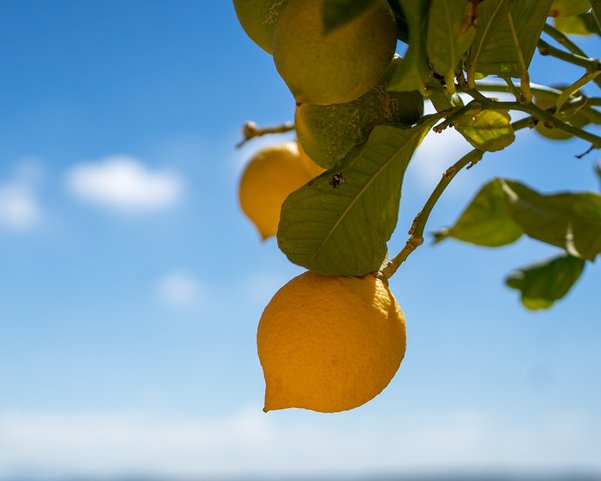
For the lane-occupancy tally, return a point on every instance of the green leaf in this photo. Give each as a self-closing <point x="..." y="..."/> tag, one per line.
<point x="450" y="33"/>
<point x="507" y="35"/>
<point x="485" y="221"/>
<point x="413" y="71"/>
<point x="488" y="130"/>
<point x="583" y="24"/>
<point x="544" y="283"/>
<point x="571" y="221"/>
<point x="336" y="13"/>
<point x="568" y="8"/>
<point x="580" y="117"/>
<point x="598" y="169"/>
<point x="339" y="223"/>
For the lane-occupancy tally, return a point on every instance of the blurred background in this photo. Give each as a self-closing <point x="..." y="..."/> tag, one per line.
<point x="131" y="284"/>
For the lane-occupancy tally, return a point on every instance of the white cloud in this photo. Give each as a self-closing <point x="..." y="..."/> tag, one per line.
<point x="180" y="289"/>
<point x="125" y="184"/>
<point x="251" y="443"/>
<point x="19" y="206"/>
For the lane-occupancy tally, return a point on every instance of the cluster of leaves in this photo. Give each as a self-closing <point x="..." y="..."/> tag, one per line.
<point x="340" y="223"/>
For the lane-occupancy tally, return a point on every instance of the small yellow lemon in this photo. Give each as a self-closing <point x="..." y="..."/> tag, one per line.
<point x="269" y="177"/>
<point x="329" y="343"/>
<point x="334" y="67"/>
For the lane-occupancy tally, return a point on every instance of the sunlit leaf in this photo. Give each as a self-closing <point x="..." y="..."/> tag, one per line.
<point x="486" y="221"/>
<point x="568" y="8"/>
<point x="571" y="221"/>
<point x="450" y="33"/>
<point x="339" y="223"/>
<point x="583" y="24"/>
<point x="489" y="130"/>
<point x="544" y="283"/>
<point x="336" y="13"/>
<point x="508" y="32"/>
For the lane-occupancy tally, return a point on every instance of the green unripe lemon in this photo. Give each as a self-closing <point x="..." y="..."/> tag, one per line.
<point x="258" y="19"/>
<point x="328" y="133"/>
<point x="334" y="67"/>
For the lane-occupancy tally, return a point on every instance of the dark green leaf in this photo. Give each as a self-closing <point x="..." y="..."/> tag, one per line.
<point x="339" y="223"/>
<point x="571" y="221"/>
<point x="544" y="283"/>
<point x="598" y="169"/>
<point x="450" y="33"/>
<point x="596" y="9"/>
<point x="401" y="21"/>
<point x="413" y="71"/>
<point x="508" y="32"/>
<point x="486" y="220"/>
<point x="488" y="130"/>
<point x="336" y="13"/>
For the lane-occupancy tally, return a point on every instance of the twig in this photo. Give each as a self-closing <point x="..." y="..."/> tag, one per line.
<point x="591" y="64"/>
<point x="250" y="130"/>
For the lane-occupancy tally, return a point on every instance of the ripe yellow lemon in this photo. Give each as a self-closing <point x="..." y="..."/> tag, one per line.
<point x="329" y="343"/>
<point x="258" y="19"/>
<point x="334" y="67"/>
<point x="268" y="178"/>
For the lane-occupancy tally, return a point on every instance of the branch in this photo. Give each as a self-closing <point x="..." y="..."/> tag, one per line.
<point x="591" y="64"/>
<point x="574" y="55"/>
<point x="538" y="113"/>
<point x="416" y="232"/>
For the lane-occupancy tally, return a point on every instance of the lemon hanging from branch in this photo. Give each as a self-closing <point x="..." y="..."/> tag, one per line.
<point x="330" y="343"/>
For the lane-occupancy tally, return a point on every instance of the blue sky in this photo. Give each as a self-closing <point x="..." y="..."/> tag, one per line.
<point x="131" y="284"/>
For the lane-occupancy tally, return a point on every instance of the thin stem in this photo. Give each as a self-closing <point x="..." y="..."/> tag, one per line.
<point x="513" y="89"/>
<point x="575" y="54"/>
<point x="563" y="39"/>
<point x="499" y="87"/>
<point x="579" y="101"/>
<point x="588" y="63"/>
<point x="250" y="130"/>
<point x="419" y="223"/>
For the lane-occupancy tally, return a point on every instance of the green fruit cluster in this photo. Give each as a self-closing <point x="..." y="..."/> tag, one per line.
<point x="338" y="78"/>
